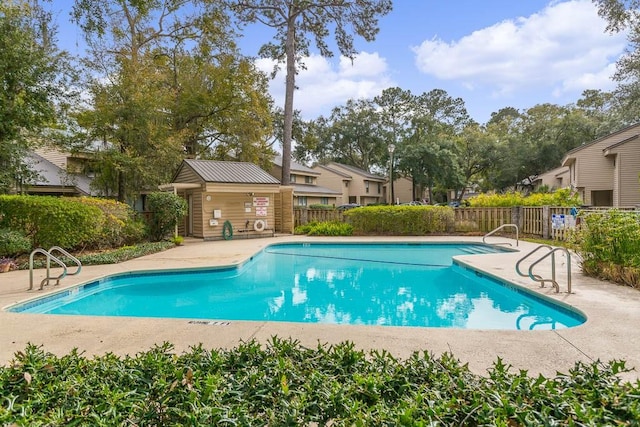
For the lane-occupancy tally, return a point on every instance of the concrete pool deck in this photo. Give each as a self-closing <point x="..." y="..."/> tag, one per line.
<point x="611" y="331"/>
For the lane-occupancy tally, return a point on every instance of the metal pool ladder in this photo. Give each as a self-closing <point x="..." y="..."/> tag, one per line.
<point x="51" y="257"/>
<point x="498" y="229"/>
<point x="552" y="254"/>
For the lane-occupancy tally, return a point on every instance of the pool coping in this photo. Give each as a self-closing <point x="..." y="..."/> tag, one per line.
<point x="609" y="333"/>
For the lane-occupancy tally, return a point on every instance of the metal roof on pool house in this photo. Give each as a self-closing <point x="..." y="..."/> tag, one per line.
<point x="223" y="172"/>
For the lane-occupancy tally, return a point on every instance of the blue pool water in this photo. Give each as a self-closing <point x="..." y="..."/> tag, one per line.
<point x="359" y="284"/>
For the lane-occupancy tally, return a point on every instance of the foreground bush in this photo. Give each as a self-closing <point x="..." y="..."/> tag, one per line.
<point x="71" y="222"/>
<point x="287" y="384"/>
<point x="609" y="244"/>
<point x="120" y="225"/>
<point x="401" y="220"/>
<point x="13" y="243"/>
<point x="51" y="221"/>
<point x="561" y="197"/>
<point x="166" y="210"/>
<point x="326" y="228"/>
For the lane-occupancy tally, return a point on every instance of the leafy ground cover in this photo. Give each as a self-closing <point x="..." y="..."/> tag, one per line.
<point x="283" y="383"/>
<point x="112" y="256"/>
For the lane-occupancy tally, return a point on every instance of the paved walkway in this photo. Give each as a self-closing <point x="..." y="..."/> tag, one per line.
<point x="611" y="331"/>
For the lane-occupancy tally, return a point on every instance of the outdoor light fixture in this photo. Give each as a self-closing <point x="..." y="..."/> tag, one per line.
<point x="391" y="149"/>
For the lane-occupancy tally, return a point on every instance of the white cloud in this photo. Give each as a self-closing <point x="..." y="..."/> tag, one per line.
<point x="563" y="48"/>
<point x="323" y="84"/>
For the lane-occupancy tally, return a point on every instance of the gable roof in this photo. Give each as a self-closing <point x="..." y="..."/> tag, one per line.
<point x="315" y="190"/>
<point x="358" y="171"/>
<point x="617" y="144"/>
<point x="295" y="167"/>
<point x="228" y="172"/>
<point x="51" y="175"/>
<point x="602" y="138"/>
<point x="335" y="171"/>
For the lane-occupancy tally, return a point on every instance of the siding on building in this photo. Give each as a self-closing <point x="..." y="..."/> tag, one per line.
<point x="626" y="157"/>
<point x="608" y="164"/>
<point x="554" y="179"/>
<point x="357" y="179"/>
<point x="240" y="203"/>
<point x="335" y="180"/>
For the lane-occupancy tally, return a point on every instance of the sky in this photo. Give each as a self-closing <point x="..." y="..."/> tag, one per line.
<point x="492" y="54"/>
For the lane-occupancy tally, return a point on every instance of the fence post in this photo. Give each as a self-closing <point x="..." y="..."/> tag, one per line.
<point x="516" y="216"/>
<point x="546" y="222"/>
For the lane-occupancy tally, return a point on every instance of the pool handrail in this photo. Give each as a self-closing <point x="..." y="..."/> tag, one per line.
<point x="553" y="280"/>
<point x="68" y="255"/>
<point x="48" y="277"/>
<point x="498" y="229"/>
<point x="527" y="256"/>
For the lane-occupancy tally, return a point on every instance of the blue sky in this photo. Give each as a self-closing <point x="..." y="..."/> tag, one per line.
<point x="492" y="54"/>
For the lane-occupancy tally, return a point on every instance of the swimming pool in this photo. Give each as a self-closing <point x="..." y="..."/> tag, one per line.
<point x="400" y="284"/>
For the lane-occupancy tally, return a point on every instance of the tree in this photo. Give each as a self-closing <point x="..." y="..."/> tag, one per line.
<point x="352" y="136"/>
<point x="432" y="124"/>
<point x="476" y="153"/>
<point x="167" y="82"/>
<point x="624" y="15"/>
<point x="35" y="87"/>
<point x="295" y="22"/>
<point x="429" y="157"/>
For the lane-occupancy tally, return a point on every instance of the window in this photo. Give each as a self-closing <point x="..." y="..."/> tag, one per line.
<point x="324" y="200"/>
<point x="379" y="188"/>
<point x="366" y="186"/>
<point x="302" y="200"/>
<point x="308" y="180"/>
<point x="292" y="178"/>
<point x="346" y="184"/>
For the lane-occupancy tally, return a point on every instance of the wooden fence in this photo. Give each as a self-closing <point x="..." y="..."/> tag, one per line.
<point x="305" y="216"/>
<point x="548" y="222"/>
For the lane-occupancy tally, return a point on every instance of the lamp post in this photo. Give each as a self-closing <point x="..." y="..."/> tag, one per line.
<point x="391" y="148"/>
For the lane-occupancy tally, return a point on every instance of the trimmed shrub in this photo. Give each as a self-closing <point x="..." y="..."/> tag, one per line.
<point x="401" y="220"/>
<point x="305" y="228"/>
<point x="331" y="228"/>
<point x="562" y="197"/>
<point x="51" y="221"/>
<point x="13" y="243"/>
<point x="167" y="209"/>
<point x="120" y="225"/>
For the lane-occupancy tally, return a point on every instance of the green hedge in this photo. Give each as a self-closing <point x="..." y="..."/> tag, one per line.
<point x="51" y="221"/>
<point x="401" y="220"/>
<point x="120" y="224"/>
<point x="71" y="222"/>
<point x="285" y="384"/>
<point x="326" y="228"/>
<point x="562" y="197"/>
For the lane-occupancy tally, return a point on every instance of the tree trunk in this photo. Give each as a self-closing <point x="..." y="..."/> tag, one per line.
<point x="290" y="85"/>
